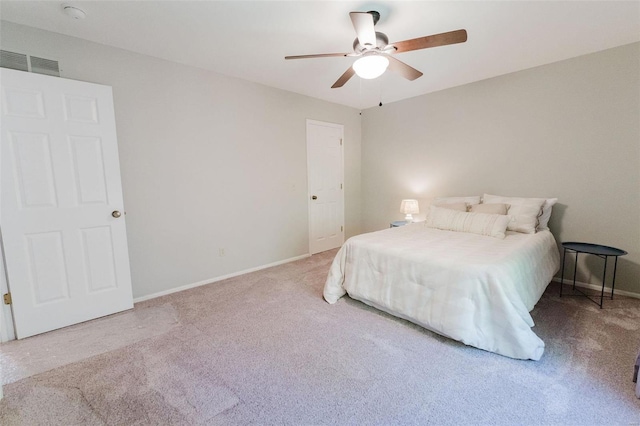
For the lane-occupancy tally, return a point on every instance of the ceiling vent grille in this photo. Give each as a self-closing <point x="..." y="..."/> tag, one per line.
<point x="18" y="61"/>
<point x="44" y="66"/>
<point x="15" y="61"/>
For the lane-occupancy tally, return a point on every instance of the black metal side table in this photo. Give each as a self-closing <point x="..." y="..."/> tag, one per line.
<point x="604" y="252"/>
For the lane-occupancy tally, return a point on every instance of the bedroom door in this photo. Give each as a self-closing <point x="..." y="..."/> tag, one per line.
<point x="325" y="182"/>
<point x="61" y="212"/>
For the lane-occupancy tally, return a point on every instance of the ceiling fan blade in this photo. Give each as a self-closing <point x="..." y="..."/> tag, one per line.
<point x="363" y="24"/>
<point x="320" y="55"/>
<point x="435" y="40"/>
<point x="403" y="69"/>
<point x="344" y="78"/>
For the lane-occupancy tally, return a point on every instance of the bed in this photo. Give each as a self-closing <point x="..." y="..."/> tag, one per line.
<point x="472" y="288"/>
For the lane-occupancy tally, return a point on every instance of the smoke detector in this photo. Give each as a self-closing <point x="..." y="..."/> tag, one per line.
<point x="73" y="11"/>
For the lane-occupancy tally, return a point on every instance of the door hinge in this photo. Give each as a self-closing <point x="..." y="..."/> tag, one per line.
<point x="341" y="229"/>
<point x="341" y="141"/>
<point x="7" y="298"/>
<point x="340" y="186"/>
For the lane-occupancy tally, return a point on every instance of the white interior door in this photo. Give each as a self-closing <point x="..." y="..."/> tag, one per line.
<point x="65" y="249"/>
<point x="326" y="194"/>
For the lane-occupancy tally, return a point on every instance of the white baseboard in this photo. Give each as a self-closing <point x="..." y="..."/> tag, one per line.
<point x="216" y="279"/>
<point x="598" y="287"/>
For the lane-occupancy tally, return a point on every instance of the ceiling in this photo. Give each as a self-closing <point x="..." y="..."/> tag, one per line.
<point x="249" y="40"/>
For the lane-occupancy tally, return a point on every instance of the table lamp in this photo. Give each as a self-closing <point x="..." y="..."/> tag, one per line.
<point x="409" y="208"/>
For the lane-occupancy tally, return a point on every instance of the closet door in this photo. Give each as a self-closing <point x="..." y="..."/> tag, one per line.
<point x="61" y="212"/>
<point x="326" y="196"/>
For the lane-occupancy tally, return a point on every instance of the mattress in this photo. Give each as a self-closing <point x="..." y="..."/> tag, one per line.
<point x="475" y="289"/>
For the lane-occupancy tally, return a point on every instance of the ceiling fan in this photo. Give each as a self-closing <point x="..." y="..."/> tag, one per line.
<point x="375" y="52"/>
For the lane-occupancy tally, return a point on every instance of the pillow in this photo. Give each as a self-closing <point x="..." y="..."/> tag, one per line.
<point x="497" y="208"/>
<point x="461" y="207"/>
<point x="524" y="212"/>
<point x="543" y="220"/>
<point x="492" y="225"/>
<point x="453" y="200"/>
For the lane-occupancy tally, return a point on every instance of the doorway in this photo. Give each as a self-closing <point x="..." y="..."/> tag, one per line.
<point x="325" y="173"/>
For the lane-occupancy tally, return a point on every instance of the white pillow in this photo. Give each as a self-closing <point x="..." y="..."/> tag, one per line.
<point x="543" y="220"/>
<point x="461" y="207"/>
<point x="497" y="208"/>
<point x="524" y="212"/>
<point x="453" y="200"/>
<point x="492" y="225"/>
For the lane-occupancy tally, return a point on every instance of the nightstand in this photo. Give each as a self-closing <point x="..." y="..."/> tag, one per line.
<point x="397" y="223"/>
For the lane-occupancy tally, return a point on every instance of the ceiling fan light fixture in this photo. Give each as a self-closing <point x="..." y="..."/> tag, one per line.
<point x="371" y="66"/>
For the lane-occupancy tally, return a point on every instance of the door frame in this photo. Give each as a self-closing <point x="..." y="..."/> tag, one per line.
<point x="341" y="128"/>
<point x="7" y="329"/>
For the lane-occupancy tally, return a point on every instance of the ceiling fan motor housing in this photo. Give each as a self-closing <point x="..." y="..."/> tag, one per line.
<point x="381" y="42"/>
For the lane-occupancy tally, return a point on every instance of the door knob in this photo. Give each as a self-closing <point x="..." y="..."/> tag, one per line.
<point x="313" y="197"/>
<point x="115" y="214"/>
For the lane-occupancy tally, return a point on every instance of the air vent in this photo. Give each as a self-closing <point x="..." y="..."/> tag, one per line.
<point x="44" y="66"/>
<point x="15" y="61"/>
<point x="20" y="62"/>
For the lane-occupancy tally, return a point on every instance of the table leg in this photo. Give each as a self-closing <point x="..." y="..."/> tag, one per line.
<point x="615" y="268"/>
<point x="575" y="270"/>
<point x="564" y="255"/>
<point x="604" y="278"/>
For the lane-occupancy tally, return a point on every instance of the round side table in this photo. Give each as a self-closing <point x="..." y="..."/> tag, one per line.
<point x="604" y="252"/>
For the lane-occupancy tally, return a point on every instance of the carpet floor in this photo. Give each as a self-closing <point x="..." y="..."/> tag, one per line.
<point x="265" y="348"/>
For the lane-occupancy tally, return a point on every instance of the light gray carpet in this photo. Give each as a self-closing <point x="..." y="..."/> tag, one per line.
<point x="265" y="348"/>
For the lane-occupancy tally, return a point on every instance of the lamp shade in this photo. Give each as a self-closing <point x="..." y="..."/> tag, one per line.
<point x="409" y="207"/>
<point x="371" y="66"/>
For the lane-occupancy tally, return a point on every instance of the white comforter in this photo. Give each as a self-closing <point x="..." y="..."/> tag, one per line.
<point x="472" y="288"/>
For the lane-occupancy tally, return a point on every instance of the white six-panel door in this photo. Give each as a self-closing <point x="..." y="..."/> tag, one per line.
<point x="65" y="249"/>
<point x="325" y="173"/>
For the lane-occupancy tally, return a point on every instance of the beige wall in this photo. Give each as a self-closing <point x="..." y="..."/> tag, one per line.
<point x="194" y="143"/>
<point x="569" y="130"/>
<point x="207" y="161"/>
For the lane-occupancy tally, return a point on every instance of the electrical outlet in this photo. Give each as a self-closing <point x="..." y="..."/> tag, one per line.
<point x="221" y="252"/>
